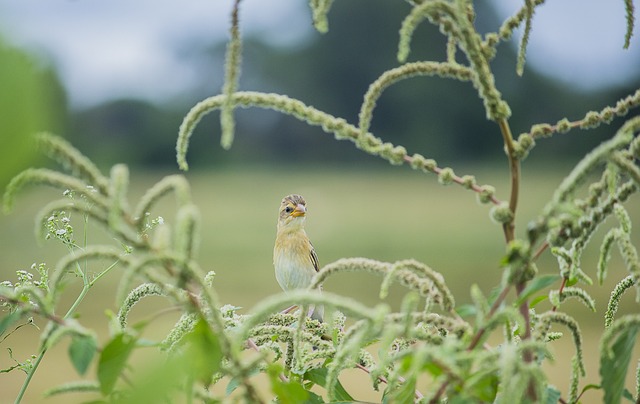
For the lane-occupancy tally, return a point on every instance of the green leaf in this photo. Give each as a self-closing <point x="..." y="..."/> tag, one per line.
<point x="536" y="300"/>
<point x="434" y="369"/>
<point x="466" y="310"/>
<point x="614" y="363"/>
<point x="590" y="387"/>
<point x="5" y="322"/>
<point x="483" y="386"/>
<point x="81" y="351"/>
<point x="319" y="377"/>
<point x="572" y="281"/>
<point x="234" y="383"/>
<point x="553" y="395"/>
<point x="535" y="286"/>
<point x="627" y="394"/>
<point x="493" y="294"/>
<point x="294" y="393"/>
<point x="290" y="392"/>
<point x="406" y="392"/>
<point x="112" y="361"/>
<point x="158" y="380"/>
<point x="203" y="352"/>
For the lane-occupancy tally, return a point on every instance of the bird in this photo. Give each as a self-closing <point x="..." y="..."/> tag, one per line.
<point x="294" y="258"/>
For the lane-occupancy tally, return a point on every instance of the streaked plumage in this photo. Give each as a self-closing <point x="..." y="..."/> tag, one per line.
<point x="294" y="258"/>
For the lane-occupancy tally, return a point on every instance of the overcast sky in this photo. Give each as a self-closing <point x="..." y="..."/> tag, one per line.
<point x="105" y="49"/>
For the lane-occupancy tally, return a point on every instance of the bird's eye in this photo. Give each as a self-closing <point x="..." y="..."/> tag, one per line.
<point x="288" y="209"/>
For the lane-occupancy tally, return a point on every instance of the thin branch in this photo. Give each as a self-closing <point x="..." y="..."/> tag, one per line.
<point x="514" y="167"/>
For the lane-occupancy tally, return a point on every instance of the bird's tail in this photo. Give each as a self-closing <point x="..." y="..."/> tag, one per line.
<point x="316" y="313"/>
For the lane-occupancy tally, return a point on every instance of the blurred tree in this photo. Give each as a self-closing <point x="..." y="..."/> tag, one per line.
<point x="31" y="100"/>
<point x="127" y="131"/>
<point x="432" y="116"/>
<point x="438" y="118"/>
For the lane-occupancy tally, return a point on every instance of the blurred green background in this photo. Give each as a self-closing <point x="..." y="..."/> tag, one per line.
<point x="358" y="205"/>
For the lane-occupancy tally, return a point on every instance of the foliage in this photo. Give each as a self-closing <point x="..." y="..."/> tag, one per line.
<point x="32" y="100"/>
<point x="427" y="342"/>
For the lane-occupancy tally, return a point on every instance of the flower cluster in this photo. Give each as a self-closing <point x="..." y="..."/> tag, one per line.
<point x="24" y="288"/>
<point x="58" y="226"/>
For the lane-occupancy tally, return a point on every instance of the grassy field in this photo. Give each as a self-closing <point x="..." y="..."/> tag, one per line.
<point x="386" y="215"/>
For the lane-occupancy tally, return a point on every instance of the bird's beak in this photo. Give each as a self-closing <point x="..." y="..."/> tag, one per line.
<point x="300" y="210"/>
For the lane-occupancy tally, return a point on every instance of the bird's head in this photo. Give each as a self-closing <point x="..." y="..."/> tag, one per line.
<point x="293" y="210"/>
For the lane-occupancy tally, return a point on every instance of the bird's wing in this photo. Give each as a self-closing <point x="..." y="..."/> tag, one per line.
<point x="314" y="258"/>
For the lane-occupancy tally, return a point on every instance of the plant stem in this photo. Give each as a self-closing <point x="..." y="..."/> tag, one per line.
<point x="562" y="286"/>
<point x="476" y="338"/>
<point x="509" y="233"/>
<point x="514" y="167"/>
<point x="85" y="289"/>
<point x="71" y="310"/>
<point x="30" y="375"/>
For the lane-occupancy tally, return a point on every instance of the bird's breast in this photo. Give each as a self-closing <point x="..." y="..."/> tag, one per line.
<point x="292" y="261"/>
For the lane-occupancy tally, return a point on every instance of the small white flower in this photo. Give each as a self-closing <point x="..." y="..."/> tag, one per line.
<point x="91" y="188"/>
<point x="65" y="220"/>
<point x="24" y="275"/>
<point x="160" y="220"/>
<point x="60" y="232"/>
<point x="66" y="192"/>
<point x="6" y="283"/>
<point x="51" y="219"/>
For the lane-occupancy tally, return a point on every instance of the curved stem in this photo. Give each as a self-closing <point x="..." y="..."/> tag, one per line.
<point x="562" y="286"/>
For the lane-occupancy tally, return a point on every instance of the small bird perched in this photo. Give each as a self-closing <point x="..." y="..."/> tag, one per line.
<point x="294" y="258"/>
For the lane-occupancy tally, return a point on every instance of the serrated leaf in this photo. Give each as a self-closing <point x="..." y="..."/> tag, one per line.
<point x="203" y="352"/>
<point x="112" y="361"/>
<point x="535" y="286"/>
<point x="614" y="363"/>
<point x="81" y="351"/>
<point x="319" y="377"/>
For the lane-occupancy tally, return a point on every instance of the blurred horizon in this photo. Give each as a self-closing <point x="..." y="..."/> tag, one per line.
<point x="122" y="76"/>
<point x="154" y="52"/>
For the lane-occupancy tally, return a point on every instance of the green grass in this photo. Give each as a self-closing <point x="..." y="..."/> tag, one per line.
<point x="386" y="215"/>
